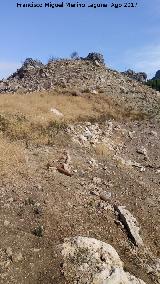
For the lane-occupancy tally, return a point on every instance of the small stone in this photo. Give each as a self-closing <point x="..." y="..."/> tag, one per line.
<point x="6" y="206"/>
<point x="56" y="112"/>
<point x="109" y="207"/>
<point x="82" y="138"/>
<point x="105" y="196"/>
<point x="137" y="165"/>
<point x="7" y="263"/>
<point x="38" y="231"/>
<point x="97" y="180"/>
<point x="142" y="169"/>
<point x="30" y="201"/>
<point x="88" y="134"/>
<point x="94" y="92"/>
<point x="18" y="257"/>
<point x="93" y="192"/>
<point x="142" y="150"/>
<point x="154" y="133"/>
<point x="110" y="125"/>
<point x="39" y="187"/>
<point x="36" y="250"/>
<point x="38" y="210"/>
<point x="97" y="63"/>
<point x="76" y="93"/>
<point x="9" y="252"/>
<point x="64" y="169"/>
<point x="123" y="90"/>
<point x="93" y="162"/>
<point x="131" y="134"/>
<point x="6" y="223"/>
<point x="10" y="200"/>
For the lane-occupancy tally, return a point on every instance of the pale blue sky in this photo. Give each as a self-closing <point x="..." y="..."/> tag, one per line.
<point x="127" y="37"/>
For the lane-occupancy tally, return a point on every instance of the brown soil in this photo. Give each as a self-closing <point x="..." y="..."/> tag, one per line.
<point x="60" y="206"/>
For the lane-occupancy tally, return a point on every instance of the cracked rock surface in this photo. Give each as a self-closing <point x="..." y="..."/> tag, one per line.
<point x="87" y="260"/>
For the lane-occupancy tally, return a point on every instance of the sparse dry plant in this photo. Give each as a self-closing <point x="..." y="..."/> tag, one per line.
<point x="103" y="150"/>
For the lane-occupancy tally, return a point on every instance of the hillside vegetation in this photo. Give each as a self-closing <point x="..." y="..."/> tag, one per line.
<point x="154" y="83"/>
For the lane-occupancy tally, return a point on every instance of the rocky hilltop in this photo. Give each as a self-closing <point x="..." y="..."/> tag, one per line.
<point x="83" y="75"/>
<point x="89" y="72"/>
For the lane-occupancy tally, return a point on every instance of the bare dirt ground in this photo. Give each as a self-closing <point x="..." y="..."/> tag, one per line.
<point x="39" y="206"/>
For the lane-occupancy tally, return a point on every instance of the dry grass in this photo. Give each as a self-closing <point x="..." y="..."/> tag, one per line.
<point x="29" y="117"/>
<point x="27" y="120"/>
<point x="103" y="150"/>
<point x="37" y="107"/>
<point x="12" y="159"/>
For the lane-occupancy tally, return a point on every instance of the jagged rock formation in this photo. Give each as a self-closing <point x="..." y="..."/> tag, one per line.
<point x="95" y="57"/>
<point x="87" y="260"/>
<point x="81" y="73"/>
<point x="88" y="72"/>
<point x="157" y="75"/>
<point x="140" y="76"/>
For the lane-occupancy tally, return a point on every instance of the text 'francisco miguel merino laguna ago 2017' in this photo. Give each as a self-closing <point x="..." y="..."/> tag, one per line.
<point x="76" y="5"/>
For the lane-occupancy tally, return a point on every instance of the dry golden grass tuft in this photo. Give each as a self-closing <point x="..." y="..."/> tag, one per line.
<point x="103" y="151"/>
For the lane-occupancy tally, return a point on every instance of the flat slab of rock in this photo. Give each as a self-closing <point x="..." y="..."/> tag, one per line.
<point x="56" y="112"/>
<point x="130" y="223"/>
<point x="87" y="260"/>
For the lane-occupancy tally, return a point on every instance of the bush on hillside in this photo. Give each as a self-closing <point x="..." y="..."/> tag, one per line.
<point x="155" y="84"/>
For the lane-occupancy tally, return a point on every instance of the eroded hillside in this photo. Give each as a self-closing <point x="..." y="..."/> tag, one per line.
<point x="70" y="158"/>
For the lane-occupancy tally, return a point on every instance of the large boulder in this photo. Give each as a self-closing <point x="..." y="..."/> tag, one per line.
<point x="87" y="260"/>
<point x="95" y="57"/>
<point x="29" y="62"/>
<point x="131" y="225"/>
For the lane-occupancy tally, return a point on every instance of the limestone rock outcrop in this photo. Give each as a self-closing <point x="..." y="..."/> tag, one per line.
<point x="87" y="260"/>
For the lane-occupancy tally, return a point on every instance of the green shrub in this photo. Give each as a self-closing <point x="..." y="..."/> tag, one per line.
<point x="155" y="84"/>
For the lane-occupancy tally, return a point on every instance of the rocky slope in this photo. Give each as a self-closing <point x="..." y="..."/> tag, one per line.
<point x="81" y="205"/>
<point x="89" y="72"/>
<point x="83" y="75"/>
